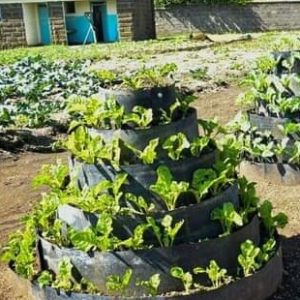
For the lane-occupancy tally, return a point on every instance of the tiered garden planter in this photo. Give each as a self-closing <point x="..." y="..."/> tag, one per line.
<point x="279" y="172"/>
<point x="199" y="241"/>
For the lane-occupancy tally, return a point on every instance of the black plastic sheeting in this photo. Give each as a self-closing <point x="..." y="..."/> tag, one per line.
<point x="263" y="123"/>
<point x="140" y="138"/>
<point x="97" y="266"/>
<point x="141" y="177"/>
<point x="259" y="286"/>
<point x="156" y="98"/>
<point x="197" y="218"/>
<point x="281" y="56"/>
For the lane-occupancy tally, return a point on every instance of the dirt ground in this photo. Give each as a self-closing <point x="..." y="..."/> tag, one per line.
<point x="17" y="198"/>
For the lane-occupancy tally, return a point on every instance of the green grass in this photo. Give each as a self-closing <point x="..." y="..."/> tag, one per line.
<point x="143" y="50"/>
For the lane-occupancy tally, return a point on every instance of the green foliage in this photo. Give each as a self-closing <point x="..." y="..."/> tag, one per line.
<point x="165" y="232"/>
<point x="200" y="74"/>
<point x="63" y="279"/>
<point x="92" y="149"/>
<point x="228" y="217"/>
<point x="151" y="285"/>
<point x="157" y="76"/>
<point x="149" y="154"/>
<point x="248" y="258"/>
<point x="99" y="237"/>
<point x="138" y="204"/>
<point x="199" y="144"/>
<point x="270" y="221"/>
<point x="175" y="145"/>
<point x="248" y="197"/>
<point x="45" y="279"/>
<point x="53" y="176"/>
<point x="216" y="275"/>
<point x="20" y="250"/>
<point x="167" y="189"/>
<point x="140" y="116"/>
<point x="119" y="283"/>
<point x="185" y="277"/>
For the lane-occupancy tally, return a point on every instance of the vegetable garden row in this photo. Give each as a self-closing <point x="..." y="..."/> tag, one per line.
<point x="151" y="205"/>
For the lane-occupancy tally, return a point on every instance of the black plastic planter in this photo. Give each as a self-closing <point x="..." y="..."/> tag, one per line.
<point x="97" y="266"/>
<point x="140" y="138"/>
<point x="197" y="218"/>
<point x="281" y="56"/>
<point x="276" y="173"/>
<point x="259" y="286"/>
<point x="141" y="177"/>
<point x="263" y="123"/>
<point x="156" y="98"/>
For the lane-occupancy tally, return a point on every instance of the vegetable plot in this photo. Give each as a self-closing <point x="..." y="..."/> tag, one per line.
<point x="147" y="222"/>
<point x="268" y="133"/>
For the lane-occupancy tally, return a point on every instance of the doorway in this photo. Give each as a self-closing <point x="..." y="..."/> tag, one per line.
<point x="98" y="11"/>
<point x="44" y="24"/>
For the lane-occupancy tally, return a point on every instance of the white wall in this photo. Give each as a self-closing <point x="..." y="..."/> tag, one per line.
<point x="31" y="20"/>
<point x="82" y="6"/>
<point x="111" y="7"/>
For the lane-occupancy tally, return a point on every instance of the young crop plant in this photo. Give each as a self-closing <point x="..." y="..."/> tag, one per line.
<point x="165" y="232"/>
<point x="248" y="197"/>
<point x="138" y="205"/>
<point x="148" y="155"/>
<point x="64" y="278"/>
<point x="167" y="189"/>
<point x="228" y="217"/>
<point x="45" y="279"/>
<point x="151" y="285"/>
<point x="271" y="222"/>
<point x="216" y="275"/>
<point x="119" y="284"/>
<point x="175" y="145"/>
<point x="99" y="237"/>
<point x="53" y="176"/>
<point x="140" y="116"/>
<point x="248" y="258"/>
<point x="185" y="277"/>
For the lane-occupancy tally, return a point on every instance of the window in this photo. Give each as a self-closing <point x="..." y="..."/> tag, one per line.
<point x="70" y="7"/>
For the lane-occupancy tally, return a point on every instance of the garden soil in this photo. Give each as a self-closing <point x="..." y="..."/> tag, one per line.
<point x="17" y="197"/>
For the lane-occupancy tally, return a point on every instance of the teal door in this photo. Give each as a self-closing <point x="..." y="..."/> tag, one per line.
<point x="44" y="24"/>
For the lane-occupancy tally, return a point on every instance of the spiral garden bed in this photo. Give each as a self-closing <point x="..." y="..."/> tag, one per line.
<point x="171" y="221"/>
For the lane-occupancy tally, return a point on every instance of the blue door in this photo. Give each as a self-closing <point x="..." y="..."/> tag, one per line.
<point x="44" y="24"/>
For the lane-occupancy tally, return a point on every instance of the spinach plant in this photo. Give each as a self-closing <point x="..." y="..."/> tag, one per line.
<point x="151" y="285"/>
<point x="119" y="283"/>
<point x="248" y="258"/>
<point x="185" y="277"/>
<point x="270" y="221"/>
<point x="140" y="116"/>
<point x="175" y="145"/>
<point x="167" y="189"/>
<point x="228" y="217"/>
<point x="64" y="278"/>
<point x="216" y="275"/>
<point x="165" y="232"/>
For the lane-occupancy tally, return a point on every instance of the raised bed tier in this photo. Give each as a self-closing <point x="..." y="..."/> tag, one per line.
<point x="276" y="173"/>
<point x="197" y="218"/>
<point x="140" y="138"/>
<point x="141" y="177"/>
<point x="156" y="98"/>
<point x="263" y="123"/>
<point x="97" y="266"/>
<point x="259" y="286"/>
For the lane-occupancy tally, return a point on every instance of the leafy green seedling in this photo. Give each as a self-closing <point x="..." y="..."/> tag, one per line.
<point x="119" y="283"/>
<point x="248" y="258"/>
<point x="151" y="285"/>
<point x="228" y="217"/>
<point x="167" y="189"/>
<point x="216" y="275"/>
<point x="175" y="145"/>
<point x="185" y="277"/>
<point x="165" y="232"/>
<point x="271" y="222"/>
